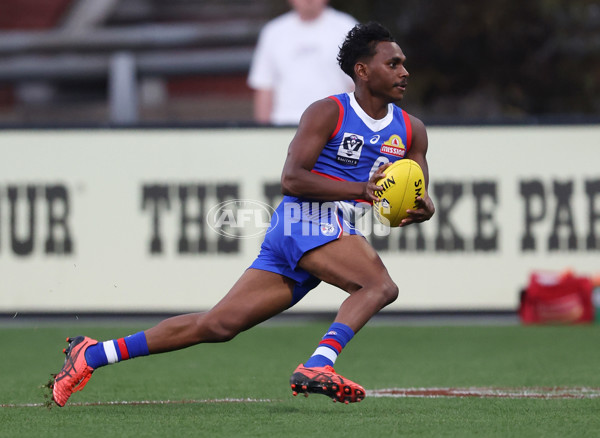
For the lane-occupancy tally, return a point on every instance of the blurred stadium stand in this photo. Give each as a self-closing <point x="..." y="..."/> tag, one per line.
<point x="127" y="61"/>
<point x="170" y="62"/>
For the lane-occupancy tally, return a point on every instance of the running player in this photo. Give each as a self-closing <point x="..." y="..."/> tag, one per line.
<point x="341" y="148"/>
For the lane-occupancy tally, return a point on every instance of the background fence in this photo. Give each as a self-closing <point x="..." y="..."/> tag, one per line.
<point x="116" y="220"/>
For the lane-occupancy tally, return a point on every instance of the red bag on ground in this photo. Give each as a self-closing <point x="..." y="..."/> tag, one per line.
<point x="556" y="298"/>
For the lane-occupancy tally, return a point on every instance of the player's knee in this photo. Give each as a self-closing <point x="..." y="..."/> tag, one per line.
<point x="389" y="292"/>
<point x="220" y="333"/>
<point x="214" y="330"/>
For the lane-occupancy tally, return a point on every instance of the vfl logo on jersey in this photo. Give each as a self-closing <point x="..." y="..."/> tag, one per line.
<point x="350" y="149"/>
<point x="394" y="146"/>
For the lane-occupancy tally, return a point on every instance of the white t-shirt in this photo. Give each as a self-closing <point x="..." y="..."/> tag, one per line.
<point x="298" y="61"/>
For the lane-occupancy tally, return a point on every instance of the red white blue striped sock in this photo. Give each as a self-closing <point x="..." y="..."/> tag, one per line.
<point x="331" y="345"/>
<point x="116" y="350"/>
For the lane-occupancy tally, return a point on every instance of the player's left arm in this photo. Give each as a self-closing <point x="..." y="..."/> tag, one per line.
<point x="418" y="152"/>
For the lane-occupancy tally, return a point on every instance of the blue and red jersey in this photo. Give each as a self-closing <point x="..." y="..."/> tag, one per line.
<point x="357" y="147"/>
<point x="360" y="144"/>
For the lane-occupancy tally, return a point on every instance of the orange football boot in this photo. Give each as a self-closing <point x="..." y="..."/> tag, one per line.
<point x="75" y="373"/>
<point x="324" y="380"/>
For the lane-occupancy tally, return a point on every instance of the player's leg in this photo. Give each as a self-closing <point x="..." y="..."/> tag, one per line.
<point x="257" y="296"/>
<point x="353" y="265"/>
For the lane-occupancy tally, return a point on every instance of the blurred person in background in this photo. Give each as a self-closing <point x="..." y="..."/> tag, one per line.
<point x="294" y="61"/>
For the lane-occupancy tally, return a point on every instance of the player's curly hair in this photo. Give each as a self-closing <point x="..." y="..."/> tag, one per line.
<point x="360" y="44"/>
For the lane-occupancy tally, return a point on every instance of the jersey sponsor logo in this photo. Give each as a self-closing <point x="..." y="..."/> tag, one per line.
<point x="394" y="146"/>
<point x="374" y="139"/>
<point x="350" y="149"/>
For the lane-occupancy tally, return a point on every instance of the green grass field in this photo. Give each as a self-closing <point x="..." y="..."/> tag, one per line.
<point x="257" y="365"/>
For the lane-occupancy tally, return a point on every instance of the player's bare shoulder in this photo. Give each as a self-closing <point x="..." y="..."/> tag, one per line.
<point x="316" y="126"/>
<point x="419" y="141"/>
<point x="417" y="126"/>
<point x="321" y="115"/>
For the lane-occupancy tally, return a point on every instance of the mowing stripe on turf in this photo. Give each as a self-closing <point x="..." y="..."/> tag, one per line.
<point x="143" y="402"/>
<point x="489" y="392"/>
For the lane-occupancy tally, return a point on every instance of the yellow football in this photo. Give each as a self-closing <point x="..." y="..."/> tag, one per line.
<point x="402" y="184"/>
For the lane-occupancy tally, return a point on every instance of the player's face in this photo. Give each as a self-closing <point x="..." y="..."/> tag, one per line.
<point x="387" y="74"/>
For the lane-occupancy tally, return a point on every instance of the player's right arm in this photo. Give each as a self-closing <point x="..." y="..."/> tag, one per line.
<point x="314" y="131"/>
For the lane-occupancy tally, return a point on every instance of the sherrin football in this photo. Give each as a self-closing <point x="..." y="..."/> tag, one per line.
<point x="402" y="184"/>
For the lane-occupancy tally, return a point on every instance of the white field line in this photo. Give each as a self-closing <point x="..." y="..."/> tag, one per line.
<point x="472" y="392"/>
<point x="489" y="392"/>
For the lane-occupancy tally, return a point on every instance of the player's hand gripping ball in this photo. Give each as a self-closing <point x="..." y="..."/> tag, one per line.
<point x="402" y="184"/>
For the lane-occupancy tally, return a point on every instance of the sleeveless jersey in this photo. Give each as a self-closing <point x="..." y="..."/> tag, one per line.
<point x="360" y="144"/>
